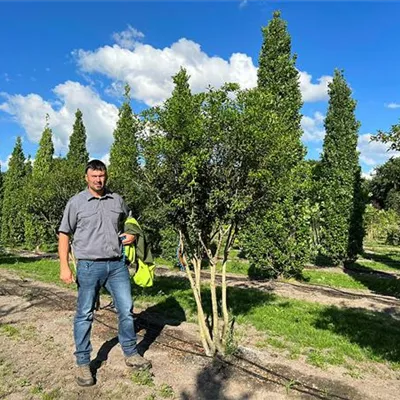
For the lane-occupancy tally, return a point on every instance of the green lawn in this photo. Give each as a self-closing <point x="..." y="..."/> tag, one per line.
<point x="387" y="286"/>
<point x="323" y="335"/>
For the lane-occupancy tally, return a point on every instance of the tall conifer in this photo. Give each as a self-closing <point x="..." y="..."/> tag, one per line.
<point x="124" y="168"/>
<point x="340" y="189"/>
<point x="37" y="202"/>
<point x="78" y="155"/>
<point x="12" y="228"/>
<point x="44" y="154"/>
<point x="277" y="239"/>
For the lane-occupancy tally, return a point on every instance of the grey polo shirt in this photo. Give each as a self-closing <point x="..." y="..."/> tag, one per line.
<point x="95" y="224"/>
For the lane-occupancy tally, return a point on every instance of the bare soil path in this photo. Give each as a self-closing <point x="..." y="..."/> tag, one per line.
<point x="36" y="360"/>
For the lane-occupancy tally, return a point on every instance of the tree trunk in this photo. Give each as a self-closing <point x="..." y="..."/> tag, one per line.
<point x="214" y="305"/>
<point x="205" y="337"/>
<point x="225" y="314"/>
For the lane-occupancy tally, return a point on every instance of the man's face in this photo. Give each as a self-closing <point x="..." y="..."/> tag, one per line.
<point x="96" y="180"/>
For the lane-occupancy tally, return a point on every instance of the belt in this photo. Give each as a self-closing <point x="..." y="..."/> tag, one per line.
<point x="102" y="259"/>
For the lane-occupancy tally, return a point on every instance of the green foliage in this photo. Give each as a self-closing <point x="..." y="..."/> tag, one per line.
<point x="340" y="197"/>
<point x="169" y="243"/>
<point x="279" y="242"/>
<point x="207" y="160"/>
<point x="1" y="194"/>
<point x="166" y="391"/>
<point x="392" y="137"/>
<point x="35" y="192"/>
<point x="13" y="208"/>
<point x="78" y="156"/>
<point x="46" y="201"/>
<point x="276" y="238"/>
<point x="171" y="152"/>
<point x="393" y="237"/>
<point x="76" y="159"/>
<point x="385" y="185"/>
<point x="44" y="155"/>
<point x="278" y="75"/>
<point x="124" y="172"/>
<point x="379" y="223"/>
<point x="143" y="378"/>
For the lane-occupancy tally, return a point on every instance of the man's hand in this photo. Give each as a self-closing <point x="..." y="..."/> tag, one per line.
<point x="129" y="239"/>
<point x="66" y="275"/>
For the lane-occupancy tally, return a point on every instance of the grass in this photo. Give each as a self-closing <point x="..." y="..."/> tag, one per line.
<point x="166" y="391"/>
<point x="352" y="280"/>
<point x="142" y="378"/>
<point x="43" y="270"/>
<point x="322" y="335"/>
<point x="9" y="331"/>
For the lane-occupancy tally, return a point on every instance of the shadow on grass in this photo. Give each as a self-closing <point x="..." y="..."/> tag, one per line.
<point x="240" y="300"/>
<point x="376" y="281"/>
<point x="10" y="259"/>
<point x="375" y="332"/>
<point x="384" y="259"/>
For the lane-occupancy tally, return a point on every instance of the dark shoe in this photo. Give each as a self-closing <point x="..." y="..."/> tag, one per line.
<point x="84" y="376"/>
<point x="137" y="361"/>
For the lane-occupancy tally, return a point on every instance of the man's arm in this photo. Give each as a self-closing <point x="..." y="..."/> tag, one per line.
<point x="63" y="252"/>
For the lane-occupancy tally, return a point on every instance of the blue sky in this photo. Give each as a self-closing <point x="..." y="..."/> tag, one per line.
<point x="56" y="57"/>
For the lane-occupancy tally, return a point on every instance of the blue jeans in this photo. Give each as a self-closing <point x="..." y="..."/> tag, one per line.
<point x="91" y="276"/>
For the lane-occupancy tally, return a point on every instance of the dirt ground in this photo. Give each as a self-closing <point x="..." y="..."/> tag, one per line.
<point x="36" y="353"/>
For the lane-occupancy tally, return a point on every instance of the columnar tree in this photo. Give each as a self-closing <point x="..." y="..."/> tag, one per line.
<point x="340" y="196"/>
<point x="39" y="194"/>
<point x="124" y="171"/>
<point x="12" y="228"/>
<point x="1" y="193"/>
<point x="277" y="73"/>
<point x="44" y="154"/>
<point x="78" y="155"/>
<point x="77" y="158"/>
<point x="277" y="237"/>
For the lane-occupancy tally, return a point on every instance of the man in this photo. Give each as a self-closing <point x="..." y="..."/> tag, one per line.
<point x="95" y="217"/>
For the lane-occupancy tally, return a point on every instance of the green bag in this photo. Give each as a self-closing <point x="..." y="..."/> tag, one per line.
<point x="144" y="276"/>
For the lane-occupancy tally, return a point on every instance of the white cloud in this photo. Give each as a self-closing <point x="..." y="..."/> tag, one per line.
<point x="368" y="175"/>
<point x="374" y="153"/>
<point x="313" y="127"/>
<point x="128" y="38"/>
<point x="99" y="116"/>
<point x="4" y="164"/>
<point x="106" y="159"/>
<point x="149" y="70"/>
<point x="314" y="91"/>
<point x="393" y="105"/>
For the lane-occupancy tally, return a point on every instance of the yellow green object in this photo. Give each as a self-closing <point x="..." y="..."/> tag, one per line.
<point x="144" y="276"/>
<point x="139" y="253"/>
